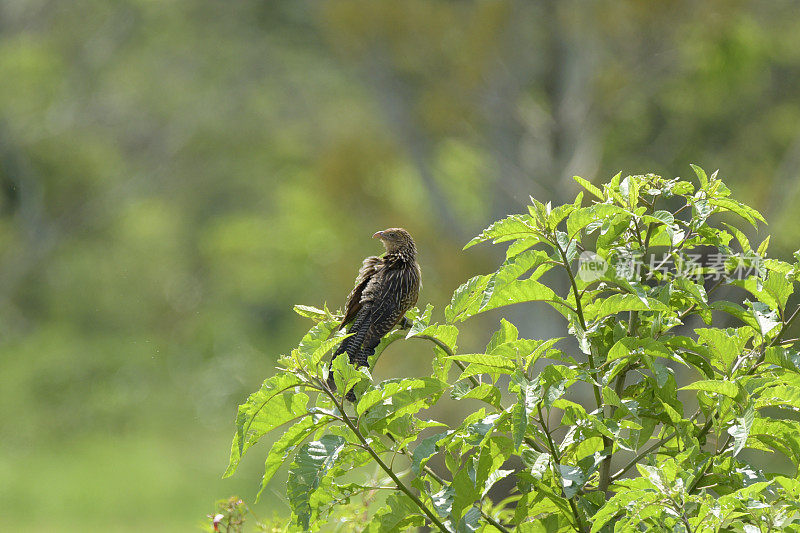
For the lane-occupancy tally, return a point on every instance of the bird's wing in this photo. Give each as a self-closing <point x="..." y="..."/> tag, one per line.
<point x="392" y="294"/>
<point x="369" y="268"/>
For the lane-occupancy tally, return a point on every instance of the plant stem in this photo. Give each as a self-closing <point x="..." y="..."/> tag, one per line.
<point x="444" y="482"/>
<point x="579" y="312"/>
<point x="607" y="443"/>
<point x="449" y="352"/>
<point x="633" y="462"/>
<point x="389" y="472"/>
<point x="556" y="473"/>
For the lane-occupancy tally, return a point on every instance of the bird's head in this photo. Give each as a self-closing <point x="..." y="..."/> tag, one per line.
<point x="396" y="240"/>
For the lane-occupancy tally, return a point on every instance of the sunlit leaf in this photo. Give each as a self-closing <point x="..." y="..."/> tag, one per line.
<point x="310" y="464"/>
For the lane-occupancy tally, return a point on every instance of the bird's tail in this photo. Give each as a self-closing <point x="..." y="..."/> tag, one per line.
<point x="352" y="345"/>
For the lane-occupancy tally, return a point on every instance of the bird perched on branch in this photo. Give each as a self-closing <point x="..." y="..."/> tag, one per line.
<point x="386" y="287"/>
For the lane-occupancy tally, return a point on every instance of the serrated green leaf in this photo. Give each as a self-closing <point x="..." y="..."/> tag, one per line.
<point x="741" y="430"/>
<point x="509" y="228"/>
<point x="725" y="344"/>
<point x="507" y="332"/>
<point x="274" y="404"/>
<point x="283" y="446"/>
<point x="316" y="337"/>
<point x="424" y="451"/>
<point x="404" y="390"/>
<point x="725" y="388"/>
<point x="519" y="291"/>
<point x="766" y="318"/>
<point x="309" y="311"/>
<point x="745" y="211"/>
<point x="310" y="465"/>
<point x="346" y="375"/>
<point x="580" y="218"/>
<point x="399" y="513"/>
<point x="701" y="175"/>
<point x="465" y="296"/>
<point x="617" y="303"/>
<point x="484" y="392"/>
<point x="589" y="187"/>
<point x="512" y="269"/>
<point x="634" y="346"/>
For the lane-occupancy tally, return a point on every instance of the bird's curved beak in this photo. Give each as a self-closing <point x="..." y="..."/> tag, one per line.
<point x="378" y="234"/>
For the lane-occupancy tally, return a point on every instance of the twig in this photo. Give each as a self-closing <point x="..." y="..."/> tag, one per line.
<point x="450" y="353"/>
<point x="607" y="443"/>
<point x="400" y="485"/>
<point x="439" y="479"/>
<point x="557" y="474"/>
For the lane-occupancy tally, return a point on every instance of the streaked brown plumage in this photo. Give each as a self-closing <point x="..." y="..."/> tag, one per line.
<point x="386" y="287"/>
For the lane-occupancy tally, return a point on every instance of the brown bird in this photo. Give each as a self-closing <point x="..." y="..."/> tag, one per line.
<point x="386" y="287"/>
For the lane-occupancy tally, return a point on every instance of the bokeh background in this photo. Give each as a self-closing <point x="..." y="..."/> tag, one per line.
<point x="174" y="176"/>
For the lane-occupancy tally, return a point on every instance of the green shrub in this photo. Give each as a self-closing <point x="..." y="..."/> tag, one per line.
<point x="653" y="415"/>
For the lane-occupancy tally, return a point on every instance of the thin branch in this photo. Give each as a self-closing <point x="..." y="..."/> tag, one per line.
<point x="557" y="474"/>
<point x="607" y="443"/>
<point x="400" y="485"/>
<point x="579" y="312"/>
<point x="633" y="462"/>
<point x="658" y="444"/>
<point x="439" y="479"/>
<point x="449" y="352"/>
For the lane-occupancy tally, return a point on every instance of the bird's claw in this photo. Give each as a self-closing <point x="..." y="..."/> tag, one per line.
<point x="404" y="323"/>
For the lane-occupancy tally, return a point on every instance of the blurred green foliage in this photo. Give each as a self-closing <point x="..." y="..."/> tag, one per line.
<point x="175" y="175"/>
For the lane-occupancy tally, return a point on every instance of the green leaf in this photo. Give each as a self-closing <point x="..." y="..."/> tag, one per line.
<point x="745" y="211"/>
<point x="316" y="337"/>
<point x="310" y="311"/>
<point x="634" y="346"/>
<point x="519" y="291"/>
<point x="419" y="320"/>
<point x="464" y="492"/>
<point x="402" y="390"/>
<point x="589" y="187"/>
<point x="725" y="344"/>
<point x="779" y="395"/>
<point x="283" y="446"/>
<point x="512" y="270"/>
<point x="766" y="318"/>
<point x="744" y="242"/>
<point x="399" y="514"/>
<point x="274" y="404"/>
<point x="580" y="218"/>
<point x="346" y="375"/>
<point x="484" y="364"/>
<point x="507" y="229"/>
<point x="465" y="296"/>
<point x="725" y="388"/>
<point x="424" y="451"/>
<point x="507" y="332"/>
<point x="572" y="479"/>
<point x="496" y="361"/>
<point x="617" y="303"/>
<point x="781" y="435"/>
<point x="310" y="465"/>
<point x="484" y="392"/>
<point x="701" y="175"/>
<point x="741" y="430"/>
